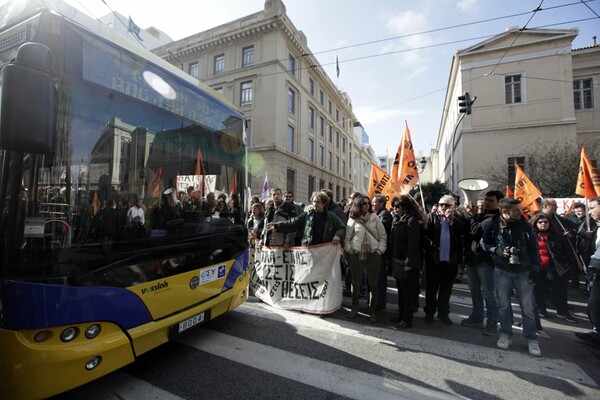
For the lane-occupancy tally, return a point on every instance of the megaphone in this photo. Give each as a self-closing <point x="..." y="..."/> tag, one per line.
<point x="172" y="193"/>
<point x="472" y="188"/>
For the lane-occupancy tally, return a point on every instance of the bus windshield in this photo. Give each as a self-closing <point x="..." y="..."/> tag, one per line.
<point x="144" y="166"/>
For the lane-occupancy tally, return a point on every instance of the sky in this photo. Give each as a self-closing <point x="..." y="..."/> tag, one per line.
<point x="394" y="55"/>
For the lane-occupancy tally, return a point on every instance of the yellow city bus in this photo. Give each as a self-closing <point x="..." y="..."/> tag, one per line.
<point x="110" y="161"/>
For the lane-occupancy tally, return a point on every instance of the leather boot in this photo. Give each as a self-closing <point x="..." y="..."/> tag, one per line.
<point x="353" y="312"/>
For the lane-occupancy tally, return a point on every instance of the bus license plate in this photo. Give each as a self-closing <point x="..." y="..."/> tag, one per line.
<point x="190" y="322"/>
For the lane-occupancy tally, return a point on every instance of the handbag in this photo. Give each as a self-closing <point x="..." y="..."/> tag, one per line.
<point x="398" y="271"/>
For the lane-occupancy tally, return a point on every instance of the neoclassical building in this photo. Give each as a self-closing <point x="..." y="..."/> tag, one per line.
<point x="531" y="88"/>
<point x="300" y="125"/>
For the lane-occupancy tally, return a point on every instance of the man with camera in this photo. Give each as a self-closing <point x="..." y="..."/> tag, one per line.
<point x="593" y="337"/>
<point x="510" y="239"/>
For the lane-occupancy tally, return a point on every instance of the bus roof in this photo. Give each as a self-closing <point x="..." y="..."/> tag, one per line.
<point x="16" y="11"/>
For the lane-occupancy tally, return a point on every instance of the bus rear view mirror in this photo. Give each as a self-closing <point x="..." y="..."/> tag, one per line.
<point x="27" y="118"/>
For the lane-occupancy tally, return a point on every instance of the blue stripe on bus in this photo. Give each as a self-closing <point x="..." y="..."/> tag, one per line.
<point x="30" y="305"/>
<point x="240" y="263"/>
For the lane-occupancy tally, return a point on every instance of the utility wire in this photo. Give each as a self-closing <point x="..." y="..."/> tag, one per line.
<point x="516" y="37"/>
<point x="595" y="13"/>
<point x="123" y="23"/>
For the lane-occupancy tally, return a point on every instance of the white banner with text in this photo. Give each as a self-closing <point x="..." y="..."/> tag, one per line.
<point x="305" y="278"/>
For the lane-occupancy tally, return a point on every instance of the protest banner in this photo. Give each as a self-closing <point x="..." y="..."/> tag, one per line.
<point x="303" y="278"/>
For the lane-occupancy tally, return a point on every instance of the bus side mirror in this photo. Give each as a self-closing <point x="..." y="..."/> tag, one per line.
<point x="27" y="117"/>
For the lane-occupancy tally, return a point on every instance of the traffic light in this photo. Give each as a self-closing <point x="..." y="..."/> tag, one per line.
<point x="464" y="102"/>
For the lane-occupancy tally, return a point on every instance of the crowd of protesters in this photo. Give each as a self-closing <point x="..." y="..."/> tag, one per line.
<point x="503" y="253"/>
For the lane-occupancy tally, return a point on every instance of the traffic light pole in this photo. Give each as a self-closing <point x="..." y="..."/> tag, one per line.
<point x="452" y="150"/>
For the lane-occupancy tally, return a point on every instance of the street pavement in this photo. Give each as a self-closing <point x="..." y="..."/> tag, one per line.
<point x="261" y="352"/>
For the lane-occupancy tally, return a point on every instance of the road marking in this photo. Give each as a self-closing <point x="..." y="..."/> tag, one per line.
<point x="119" y="386"/>
<point x="513" y="360"/>
<point x="320" y="374"/>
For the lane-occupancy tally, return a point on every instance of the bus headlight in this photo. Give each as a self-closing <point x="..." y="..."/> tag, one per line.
<point x="92" y="331"/>
<point x="69" y="334"/>
<point x="92" y="363"/>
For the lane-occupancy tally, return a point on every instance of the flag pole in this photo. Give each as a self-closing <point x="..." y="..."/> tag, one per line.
<point x="422" y="198"/>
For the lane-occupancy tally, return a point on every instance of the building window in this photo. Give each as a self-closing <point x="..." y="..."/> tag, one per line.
<point x="330" y="186"/>
<point x="512" y="170"/>
<point x="219" y="90"/>
<point x="330" y="107"/>
<point x="321" y="126"/>
<point x="247" y="56"/>
<point x="337" y="139"/>
<point x="321" y="156"/>
<point x="311" y="187"/>
<point x="330" y="159"/>
<point x="311" y="118"/>
<point x="343" y="144"/>
<point x="291" y="101"/>
<point x="321" y="97"/>
<point x="321" y="183"/>
<point x="337" y="165"/>
<point x="343" y="193"/>
<point x="246" y="94"/>
<point x="512" y="89"/>
<point x="311" y="86"/>
<point x="193" y="69"/>
<point x="337" y="192"/>
<point x="311" y="150"/>
<point x="344" y="170"/>
<point x="344" y="123"/>
<point x="583" y="94"/>
<point x="219" y="64"/>
<point x="337" y="115"/>
<point x="330" y="134"/>
<point x="290" y="138"/>
<point x="292" y="65"/>
<point x="291" y="180"/>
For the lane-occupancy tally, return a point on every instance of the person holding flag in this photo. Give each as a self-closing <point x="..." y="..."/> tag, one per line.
<point x="527" y="192"/>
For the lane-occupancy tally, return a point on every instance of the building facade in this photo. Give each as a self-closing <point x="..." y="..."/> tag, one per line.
<point x="531" y="89"/>
<point x="300" y="125"/>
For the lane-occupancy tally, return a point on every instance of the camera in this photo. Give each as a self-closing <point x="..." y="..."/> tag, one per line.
<point x="513" y="253"/>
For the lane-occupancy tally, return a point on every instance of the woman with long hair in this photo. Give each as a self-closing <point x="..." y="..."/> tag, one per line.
<point x="365" y="242"/>
<point x="405" y="240"/>
<point x="553" y="277"/>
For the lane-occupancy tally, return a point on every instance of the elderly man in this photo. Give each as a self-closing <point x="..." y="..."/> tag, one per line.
<point x="445" y="229"/>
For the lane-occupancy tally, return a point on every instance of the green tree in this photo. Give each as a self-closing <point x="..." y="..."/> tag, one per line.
<point x="553" y="168"/>
<point x="432" y="191"/>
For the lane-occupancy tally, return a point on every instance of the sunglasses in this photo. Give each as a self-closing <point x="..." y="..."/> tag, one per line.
<point x="444" y="205"/>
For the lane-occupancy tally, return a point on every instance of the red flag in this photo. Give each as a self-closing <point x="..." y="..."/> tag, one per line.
<point x="380" y="182"/>
<point x="509" y="192"/>
<point x="588" y="182"/>
<point x="405" y="163"/>
<point x="155" y="186"/>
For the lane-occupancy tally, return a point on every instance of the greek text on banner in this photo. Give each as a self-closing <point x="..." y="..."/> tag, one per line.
<point x="305" y="278"/>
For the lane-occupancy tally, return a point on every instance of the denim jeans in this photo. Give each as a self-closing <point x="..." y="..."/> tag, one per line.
<point x="481" y="278"/>
<point x="505" y="282"/>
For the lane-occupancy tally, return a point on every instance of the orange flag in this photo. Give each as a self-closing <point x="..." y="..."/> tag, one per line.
<point x="233" y="186"/>
<point x="526" y="191"/>
<point x="405" y="173"/>
<point x="199" y="170"/>
<point x="588" y="181"/>
<point x="509" y="192"/>
<point x="380" y="183"/>
<point x="95" y="204"/>
<point x="155" y="186"/>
